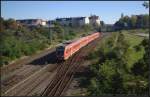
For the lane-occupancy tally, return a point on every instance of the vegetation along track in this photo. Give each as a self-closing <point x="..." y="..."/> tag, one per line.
<point x="66" y="70"/>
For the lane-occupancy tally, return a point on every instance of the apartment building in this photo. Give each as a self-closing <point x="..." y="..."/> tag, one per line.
<point x="70" y="21"/>
<point x="79" y="21"/>
<point x="32" y="22"/>
<point x="73" y="21"/>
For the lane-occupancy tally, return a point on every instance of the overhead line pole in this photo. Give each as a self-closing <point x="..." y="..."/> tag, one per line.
<point x="50" y="34"/>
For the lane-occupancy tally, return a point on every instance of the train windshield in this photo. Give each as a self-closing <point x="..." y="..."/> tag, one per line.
<point x="60" y="50"/>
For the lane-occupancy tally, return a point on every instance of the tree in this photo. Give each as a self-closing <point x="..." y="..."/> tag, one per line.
<point x="117" y="83"/>
<point x="59" y="30"/>
<point x="119" y="24"/>
<point x="146" y="4"/>
<point x="102" y="23"/>
<point x="2" y="25"/>
<point x="11" y="24"/>
<point x="146" y="21"/>
<point x="133" y="21"/>
<point x="126" y="20"/>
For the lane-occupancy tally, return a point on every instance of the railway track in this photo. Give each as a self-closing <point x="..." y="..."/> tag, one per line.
<point x="20" y="72"/>
<point x="26" y="86"/>
<point x="64" y="75"/>
<point x="32" y="82"/>
<point x="60" y="72"/>
<point x="18" y="76"/>
<point x="13" y="66"/>
<point x="78" y="65"/>
<point x="63" y="71"/>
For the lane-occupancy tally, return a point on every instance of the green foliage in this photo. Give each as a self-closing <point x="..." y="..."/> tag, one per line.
<point x="4" y="60"/>
<point x="146" y="4"/>
<point x="135" y="21"/>
<point x="10" y="48"/>
<point x="137" y="48"/>
<point x="141" y="67"/>
<point x="107" y="81"/>
<point x="111" y="74"/>
<point x="133" y="54"/>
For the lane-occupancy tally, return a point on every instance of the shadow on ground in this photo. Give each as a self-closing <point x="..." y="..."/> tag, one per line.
<point x="47" y="59"/>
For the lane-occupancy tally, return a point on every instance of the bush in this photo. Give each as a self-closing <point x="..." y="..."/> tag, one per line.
<point x="111" y="72"/>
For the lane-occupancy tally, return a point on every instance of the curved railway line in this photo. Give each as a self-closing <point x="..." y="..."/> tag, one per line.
<point x="65" y="74"/>
<point x="51" y="79"/>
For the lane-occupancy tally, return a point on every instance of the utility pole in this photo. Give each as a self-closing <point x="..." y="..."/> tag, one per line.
<point x="63" y="36"/>
<point x="50" y="34"/>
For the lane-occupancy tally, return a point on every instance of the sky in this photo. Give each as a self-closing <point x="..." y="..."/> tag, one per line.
<point x="108" y="11"/>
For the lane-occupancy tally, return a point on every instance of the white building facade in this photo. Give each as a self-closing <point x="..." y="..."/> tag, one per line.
<point x="43" y="23"/>
<point x="74" y="21"/>
<point x="79" y="21"/>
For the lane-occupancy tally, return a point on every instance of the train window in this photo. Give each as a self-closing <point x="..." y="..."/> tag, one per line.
<point x="60" y="50"/>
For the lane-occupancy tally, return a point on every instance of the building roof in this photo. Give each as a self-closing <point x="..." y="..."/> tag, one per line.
<point x="28" y="19"/>
<point x="70" y="18"/>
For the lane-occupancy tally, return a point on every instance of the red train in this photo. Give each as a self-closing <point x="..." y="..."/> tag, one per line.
<point x="66" y="50"/>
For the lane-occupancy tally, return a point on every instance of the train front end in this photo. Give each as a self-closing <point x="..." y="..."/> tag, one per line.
<point x="60" y="52"/>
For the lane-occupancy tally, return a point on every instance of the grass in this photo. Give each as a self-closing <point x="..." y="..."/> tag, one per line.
<point x="132" y="39"/>
<point x="146" y="31"/>
<point x="132" y="55"/>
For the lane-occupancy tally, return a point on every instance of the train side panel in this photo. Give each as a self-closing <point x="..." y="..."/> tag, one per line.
<point x="75" y="46"/>
<point x="67" y="52"/>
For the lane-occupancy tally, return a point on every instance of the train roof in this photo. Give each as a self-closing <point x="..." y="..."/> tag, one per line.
<point x="65" y="43"/>
<point x="70" y="41"/>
